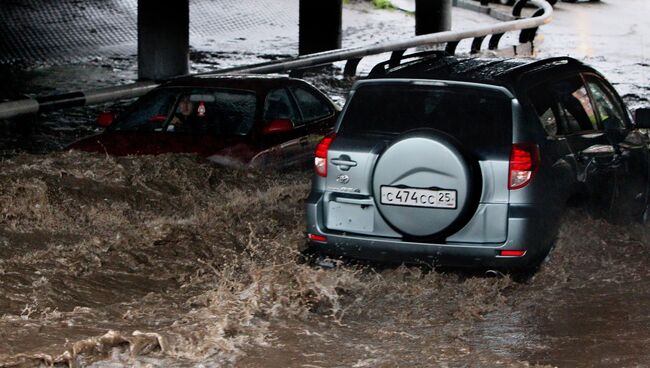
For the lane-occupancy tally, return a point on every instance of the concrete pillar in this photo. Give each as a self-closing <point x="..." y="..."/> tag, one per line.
<point x="432" y="16"/>
<point x="320" y="25"/>
<point x="163" y="38"/>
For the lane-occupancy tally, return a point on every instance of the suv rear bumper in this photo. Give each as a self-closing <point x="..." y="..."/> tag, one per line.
<point x="391" y="251"/>
<point x="527" y="230"/>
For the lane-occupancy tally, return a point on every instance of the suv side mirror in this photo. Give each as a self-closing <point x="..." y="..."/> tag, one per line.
<point x="278" y="126"/>
<point x="105" y="119"/>
<point x="642" y="118"/>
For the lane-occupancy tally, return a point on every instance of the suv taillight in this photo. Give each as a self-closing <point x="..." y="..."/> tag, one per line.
<point x="320" y="159"/>
<point x="524" y="162"/>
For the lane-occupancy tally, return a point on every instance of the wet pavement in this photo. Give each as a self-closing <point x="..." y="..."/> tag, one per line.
<point x="611" y="35"/>
<point x="169" y="261"/>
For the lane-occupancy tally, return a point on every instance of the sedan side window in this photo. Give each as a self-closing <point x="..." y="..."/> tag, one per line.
<point x="311" y="106"/>
<point x="149" y="113"/>
<point x="214" y="111"/>
<point x="609" y="111"/>
<point x="278" y="105"/>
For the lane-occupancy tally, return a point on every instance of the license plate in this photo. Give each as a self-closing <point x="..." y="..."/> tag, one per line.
<point x="415" y="197"/>
<point x="350" y="217"/>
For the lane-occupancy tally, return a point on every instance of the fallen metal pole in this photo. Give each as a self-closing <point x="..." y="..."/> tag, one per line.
<point x="49" y="103"/>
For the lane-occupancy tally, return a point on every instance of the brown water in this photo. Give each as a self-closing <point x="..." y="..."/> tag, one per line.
<point x="171" y="261"/>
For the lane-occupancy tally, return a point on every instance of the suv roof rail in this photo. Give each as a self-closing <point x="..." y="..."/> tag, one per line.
<point x="397" y="59"/>
<point x="539" y="64"/>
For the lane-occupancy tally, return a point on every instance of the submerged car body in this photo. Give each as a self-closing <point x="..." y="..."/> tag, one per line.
<point x="230" y="119"/>
<point x="471" y="161"/>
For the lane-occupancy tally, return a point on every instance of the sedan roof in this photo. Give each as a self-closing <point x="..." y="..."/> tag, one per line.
<point x="235" y="81"/>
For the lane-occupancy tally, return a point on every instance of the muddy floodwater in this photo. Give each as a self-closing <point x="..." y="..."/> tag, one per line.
<point x="171" y="261"/>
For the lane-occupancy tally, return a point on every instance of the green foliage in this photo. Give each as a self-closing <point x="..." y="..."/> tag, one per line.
<point x="383" y="4"/>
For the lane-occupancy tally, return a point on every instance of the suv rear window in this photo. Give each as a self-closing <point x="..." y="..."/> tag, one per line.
<point x="477" y="118"/>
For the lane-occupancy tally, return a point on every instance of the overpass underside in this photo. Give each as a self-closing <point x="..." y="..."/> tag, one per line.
<point x="42" y="31"/>
<point x="63" y="31"/>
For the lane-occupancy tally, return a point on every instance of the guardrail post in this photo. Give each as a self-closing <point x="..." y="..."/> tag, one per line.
<point x="494" y="41"/>
<point x="163" y="39"/>
<point x="450" y="48"/>
<point x="528" y="35"/>
<point x="432" y="16"/>
<point x="518" y="7"/>
<point x="396" y="57"/>
<point x="476" y="45"/>
<point x="319" y="25"/>
<point x="351" y="65"/>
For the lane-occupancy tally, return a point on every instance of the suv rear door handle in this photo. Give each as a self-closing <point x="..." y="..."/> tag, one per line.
<point x="359" y="201"/>
<point x="344" y="163"/>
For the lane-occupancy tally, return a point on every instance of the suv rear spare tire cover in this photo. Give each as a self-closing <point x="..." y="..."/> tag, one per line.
<point x="420" y="164"/>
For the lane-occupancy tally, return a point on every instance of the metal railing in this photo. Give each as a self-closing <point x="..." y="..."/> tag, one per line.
<point x="352" y="57"/>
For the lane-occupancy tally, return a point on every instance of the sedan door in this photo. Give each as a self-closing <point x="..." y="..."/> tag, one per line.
<point x="317" y="113"/>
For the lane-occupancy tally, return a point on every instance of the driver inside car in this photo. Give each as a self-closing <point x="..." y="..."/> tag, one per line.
<point x="183" y="117"/>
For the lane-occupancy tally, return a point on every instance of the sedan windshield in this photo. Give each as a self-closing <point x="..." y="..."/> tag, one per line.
<point x="194" y="111"/>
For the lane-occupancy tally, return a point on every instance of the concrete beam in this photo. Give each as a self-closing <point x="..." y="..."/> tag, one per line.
<point x="163" y="39"/>
<point x="320" y="25"/>
<point x="432" y="16"/>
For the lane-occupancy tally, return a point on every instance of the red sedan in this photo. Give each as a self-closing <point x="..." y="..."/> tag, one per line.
<point x="241" y="120"/>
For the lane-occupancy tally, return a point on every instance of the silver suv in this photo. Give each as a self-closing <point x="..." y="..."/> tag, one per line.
<point x="471" y="161"/>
